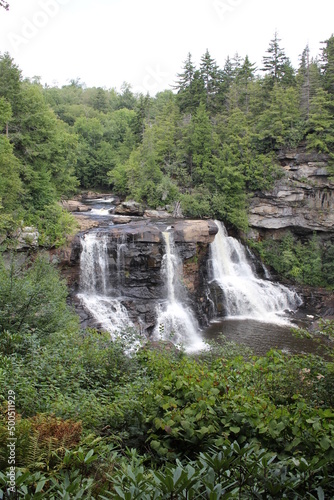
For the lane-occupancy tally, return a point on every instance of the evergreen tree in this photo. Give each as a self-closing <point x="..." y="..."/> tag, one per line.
<point x="142" y="110"/>
<point x="210" y="76"/>
<point x="165" y="131"/>
<point x="201" y="145"/>
<point x="236" y="64"/>
<point x="308" y="80"/>
<point x="227" y="73"/>
<point x="276" y="64"/>
<point x="184" y="85"/>
<point x="328" y="65"/>
<point x="126" y="99"/>
<point x="280" y="124"/>
<point x="226" y="78"/>
<point x="303" y="79"/>
<point x="190" y="87"/>
<point x="320" y="125"/>
<point x="99" y="100"/>
<point x="245" y="75"/>
<point x="287" y="77"/>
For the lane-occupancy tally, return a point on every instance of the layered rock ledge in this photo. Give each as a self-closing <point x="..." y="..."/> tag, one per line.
<point x="135" y="256"/>
<point x="302" y="200"/>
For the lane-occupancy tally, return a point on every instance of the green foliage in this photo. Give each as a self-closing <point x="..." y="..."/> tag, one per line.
<point x="219" y="134"/>
<point x="225" y="424"/>
<point x="37" y="158"/>
<point x="280" y="124"/>
<point x="328" y="64"/>
<point x="222" y="426"/>
<point x="276" y="64"/>
<point x="11" y="188"/>
<point x="32" y="301"/>
<point x="54" y="224"/>
<point x="44" y="147"/>
<point x="320" y="125"/>
<point x="307" y="262"/>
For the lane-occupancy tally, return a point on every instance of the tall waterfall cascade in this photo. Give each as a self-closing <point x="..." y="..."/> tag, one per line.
<point x="176" y="322"/>
<point x="97" y="290"/>
<point x="247" y="296"/>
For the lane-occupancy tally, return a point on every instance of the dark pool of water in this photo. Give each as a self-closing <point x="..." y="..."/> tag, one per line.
<point x="260" y="337"/>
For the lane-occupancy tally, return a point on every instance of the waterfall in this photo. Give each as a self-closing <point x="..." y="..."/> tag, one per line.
<point x="94" y="263"/>
<point x="121" y="246"/>
<point x="175" y="321"/>
<point x="97" y="286"/>
<point x="246" y="295"/>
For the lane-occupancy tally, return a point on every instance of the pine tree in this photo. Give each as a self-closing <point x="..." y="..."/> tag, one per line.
<point x="236" y="64"/>
<point x="328" y="65"/>
<point x="126" y="99"/>
<point x="228" y="73"/>
<point x="303" y="79"/>
<point x="275" y="63"/>
<point x="320" y="125"/>
<point x="184" y="85"/>
<point x="210" y="76"/>
<point x="201" y="144"/>
<point x="142" y="111"/>
<point x="99" y="100"/>
<point x="308" y="81"/>
<point x="245" y="75"/>
<point x="287" y="77"/>
<point x="226" y="78"/>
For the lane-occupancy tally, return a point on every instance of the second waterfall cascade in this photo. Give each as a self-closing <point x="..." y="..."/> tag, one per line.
<point x="175" y="321"/>
<point x="97" y="291"/>
<point x="246" y="295"/>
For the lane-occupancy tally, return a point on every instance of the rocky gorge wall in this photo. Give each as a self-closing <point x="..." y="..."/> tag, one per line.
<point x="301" y="201"/>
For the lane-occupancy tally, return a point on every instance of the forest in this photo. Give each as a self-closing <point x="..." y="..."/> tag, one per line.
<point x="210" y="143"/>
<point x="92" y="421"/>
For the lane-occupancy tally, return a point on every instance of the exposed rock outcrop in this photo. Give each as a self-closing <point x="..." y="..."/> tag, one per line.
<point x="135" y="255"/>
<point x="303" y="200"/>
<point x="26" y="237"/>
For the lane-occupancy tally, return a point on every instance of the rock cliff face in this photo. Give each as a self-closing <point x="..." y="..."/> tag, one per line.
<point x="302" y="200"/>
<point x="135" y="254"/>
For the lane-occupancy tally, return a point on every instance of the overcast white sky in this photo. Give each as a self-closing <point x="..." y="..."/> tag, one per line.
<point x="145" y="42"/>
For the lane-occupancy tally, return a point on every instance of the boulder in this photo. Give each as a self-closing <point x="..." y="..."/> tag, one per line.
<point x="156" y="214"/>
<point x="129" y="208"/>
<point x="27" y="237"/>
<point x="74" y="206"/>
<point x="85" y="222"/>
<point x="195" y="231"/>
<point x="121" y="219"/>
